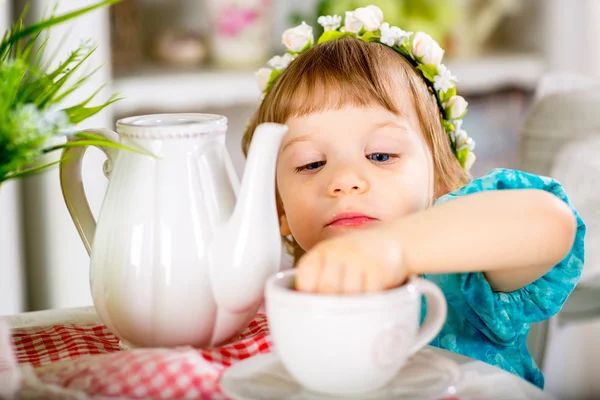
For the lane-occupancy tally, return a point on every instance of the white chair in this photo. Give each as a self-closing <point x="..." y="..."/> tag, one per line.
<point x="561" y="139"/>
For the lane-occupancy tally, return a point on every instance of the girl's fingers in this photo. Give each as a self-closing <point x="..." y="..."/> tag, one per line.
<point x="332" y="278"/>
<point x="309" y="273"/>
<point x="374" y="281"/>
<point x="354" y="280"/>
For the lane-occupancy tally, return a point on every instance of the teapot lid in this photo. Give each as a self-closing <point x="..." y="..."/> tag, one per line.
<point x="172" y="125"/>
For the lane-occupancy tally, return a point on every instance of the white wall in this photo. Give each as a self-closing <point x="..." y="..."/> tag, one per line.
<point x="58" y="265"/>
<point x="572" y="40"/>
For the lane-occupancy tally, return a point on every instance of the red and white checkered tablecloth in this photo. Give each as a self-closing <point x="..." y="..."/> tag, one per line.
<point x="40" y="346"/>
<point x="73" y="361"/>
<point x="88" y="359"/>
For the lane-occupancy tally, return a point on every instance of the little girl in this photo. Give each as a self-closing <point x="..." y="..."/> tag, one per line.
<point x="373" y="186"/>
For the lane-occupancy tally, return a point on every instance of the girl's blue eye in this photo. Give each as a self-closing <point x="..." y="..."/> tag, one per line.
<point x="379" y="157"/>
<point x="311" y="167"/>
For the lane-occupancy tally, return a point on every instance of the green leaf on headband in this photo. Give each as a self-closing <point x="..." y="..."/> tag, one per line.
<point x="307" y="46"/>
<point x="371" y="36"/>
<point x="332" y="35"/>
<point x="274" y="75"/>
<point x="448" y="95"/>
<point x="461" y="155"/>
<point x="448" y="126"/>
<point x="428" y="71"/>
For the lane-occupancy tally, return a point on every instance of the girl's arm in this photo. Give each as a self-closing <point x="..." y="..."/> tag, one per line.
<point x="513" y="236"/>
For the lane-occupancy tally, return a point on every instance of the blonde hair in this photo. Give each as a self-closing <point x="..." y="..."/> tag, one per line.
<point x="349" y="71"/>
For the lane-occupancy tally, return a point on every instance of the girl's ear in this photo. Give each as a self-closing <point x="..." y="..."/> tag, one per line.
<point x="284" y="228"/>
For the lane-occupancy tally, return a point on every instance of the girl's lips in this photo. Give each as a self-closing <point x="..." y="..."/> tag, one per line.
<point x="355" y="221"/>
<point x="350" y="219"/>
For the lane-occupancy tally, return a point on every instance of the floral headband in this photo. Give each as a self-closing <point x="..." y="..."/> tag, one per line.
<point x="420" y="49"/>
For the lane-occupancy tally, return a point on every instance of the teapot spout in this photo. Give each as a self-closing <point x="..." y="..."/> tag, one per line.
<point x="247" y="249"/>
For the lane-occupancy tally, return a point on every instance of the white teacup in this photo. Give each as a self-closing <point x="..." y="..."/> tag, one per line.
<point x="350" y="344"/>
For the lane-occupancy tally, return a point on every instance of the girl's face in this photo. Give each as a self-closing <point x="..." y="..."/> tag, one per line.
<point x="349" y="168"/>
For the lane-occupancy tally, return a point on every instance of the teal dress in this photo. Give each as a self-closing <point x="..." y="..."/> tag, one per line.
<point x="493" y="326"/>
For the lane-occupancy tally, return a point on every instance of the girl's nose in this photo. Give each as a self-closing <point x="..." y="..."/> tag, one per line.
<point x="347" y="182"/>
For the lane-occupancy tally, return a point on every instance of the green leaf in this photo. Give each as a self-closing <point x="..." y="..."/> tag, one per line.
<point x="80" y="113"/>
<point x="85" y="140"/>
<point x="76" y="85"/>
<point x="48" y="23"/>
<point x="63" y="67"/>
<point x="67" y="72"/>
<point x="30" y="53"/>
<point x="428" y="71"/>
<point x="449" y="127"/>
<point x="275" y="73"/>
<point x="406" y="49"/>
<point x="307" y="46"/>
<point x="461" y="155"/>
<point x="371" y="36"/>
<point x="332" y="35"/>
<point x="449" y="93"/>
<point x="28" y="171"/>
<point x="6" y="46"/>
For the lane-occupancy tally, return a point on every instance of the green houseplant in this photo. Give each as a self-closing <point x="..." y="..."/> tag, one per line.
<point x="35" y="116"/>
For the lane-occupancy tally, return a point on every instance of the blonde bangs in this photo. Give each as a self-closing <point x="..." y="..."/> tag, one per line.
<point x="344" y="72"/>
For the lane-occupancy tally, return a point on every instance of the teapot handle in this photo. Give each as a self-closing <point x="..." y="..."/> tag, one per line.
<point x="71" y="184"/>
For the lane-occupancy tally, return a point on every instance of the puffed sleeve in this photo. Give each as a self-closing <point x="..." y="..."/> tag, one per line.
<point x="503" y="316"/>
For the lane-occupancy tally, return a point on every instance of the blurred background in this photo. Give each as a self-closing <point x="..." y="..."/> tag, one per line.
<point x="200" y="56"/>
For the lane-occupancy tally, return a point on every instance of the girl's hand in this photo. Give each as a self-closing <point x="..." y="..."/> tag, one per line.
<point x="365" y="260"/>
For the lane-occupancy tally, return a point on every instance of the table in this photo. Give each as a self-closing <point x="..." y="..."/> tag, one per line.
<point x="70" y="350"/>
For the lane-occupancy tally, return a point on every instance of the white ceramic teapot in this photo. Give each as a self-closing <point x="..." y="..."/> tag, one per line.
<point x="175" y="260"/>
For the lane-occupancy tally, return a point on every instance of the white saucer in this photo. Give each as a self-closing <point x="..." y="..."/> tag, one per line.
<point x="427" y="375"/>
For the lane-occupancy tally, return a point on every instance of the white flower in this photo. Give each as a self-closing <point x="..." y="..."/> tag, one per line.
<point x="444" y="80"/>
<point x="297" y="38"/>
<point x="457" y="125"/>
<point x="427" y="50"/>
<point x="371" y="17"/>
<point x="281" y="62"/>
<point x="453" y="136"/>
<point x="455" y="107"/>
<point x="57" y="121"/>
<point x="263" y="76"/>
<point x="392" y="35"/>
<point x="351" y="24"/>
<point x="30" y="123"/>
<point x="461" y="138"/>
<point x="463" y="141"/>
<point x="330" y="22"/>
<point x="470" y="161"/>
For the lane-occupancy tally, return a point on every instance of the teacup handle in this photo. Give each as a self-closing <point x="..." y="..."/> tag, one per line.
<point x="437" y="310"/>
<point x="71" y="184"/>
